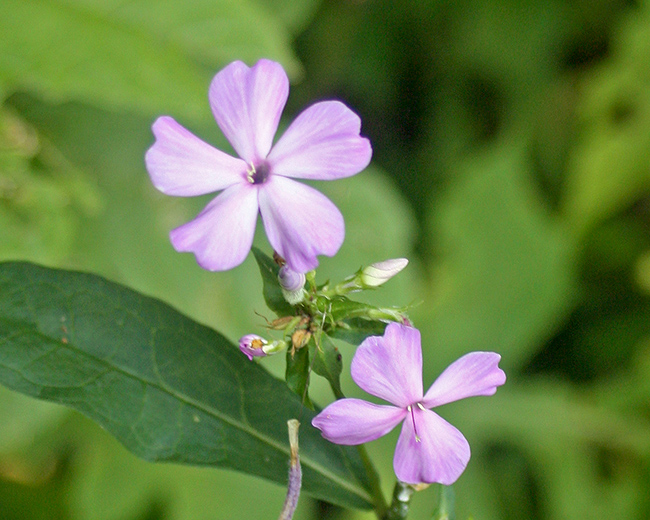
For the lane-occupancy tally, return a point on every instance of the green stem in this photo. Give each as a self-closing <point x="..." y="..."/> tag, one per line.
<point x="375" y="487"/>
<point x="445" y="510"/>
<point x="399" y="507"/>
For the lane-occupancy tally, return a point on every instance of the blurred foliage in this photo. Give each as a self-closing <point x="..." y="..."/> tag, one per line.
<point x="511" y="166"/>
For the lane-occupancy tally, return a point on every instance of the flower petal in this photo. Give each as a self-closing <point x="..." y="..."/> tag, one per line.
<point x="476" y="373"/>
<point x="322" y="143"/>
<point x="300" y="222"/>
<point x="247" y="104"/>
<point x="353" y="421"/>
<point x="179" y="163"/>
<point x="437" y="452"/>
<point x="222" y="234"/>
<point x="390" y="366"/>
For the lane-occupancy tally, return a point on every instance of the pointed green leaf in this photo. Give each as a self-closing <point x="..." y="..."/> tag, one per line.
<point x="297" y="374"/>
<point x="272" y="290"/>
<point x="327" y="362"/>
<point x="167" y="387"/>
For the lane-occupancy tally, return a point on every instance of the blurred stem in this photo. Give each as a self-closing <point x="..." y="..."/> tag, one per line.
<point x="375" y="487"/>
<point x="445" y="510"/>
<point x="399" y="508"/>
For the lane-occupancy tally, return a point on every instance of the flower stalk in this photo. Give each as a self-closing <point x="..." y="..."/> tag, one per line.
<point x="295" y="474"/>
<point x="445" y="509"/>
<point x="399" y="507"/>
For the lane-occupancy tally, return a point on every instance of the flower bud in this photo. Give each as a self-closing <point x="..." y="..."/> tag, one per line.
<point x="253" y="345"/>
<point x="300" y="338"/>
<point x="292" y="284"/>
<point x="379" y="273"/>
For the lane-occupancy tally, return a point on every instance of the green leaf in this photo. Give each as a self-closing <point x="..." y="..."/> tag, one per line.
<point x="42" y="195"/>
<point x="608" y="169"/>
<point x="147" y="55"/>
<point x="295" y="15"/>
<point x="168" y="388"/>
<point x="594" y="463"/>
<point x="355" y="330"/>
<point x="272" y="290"/>
<point x="505" y="279"/>
<point x="327" y="362"/>
<point x="297" y="374"/>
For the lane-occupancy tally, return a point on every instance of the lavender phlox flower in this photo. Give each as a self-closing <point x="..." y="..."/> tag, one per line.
<point x="323" y="143"/>
<point x="429" y="449"/>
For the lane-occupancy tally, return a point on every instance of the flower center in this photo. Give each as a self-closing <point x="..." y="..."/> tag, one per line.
<point x="409" y="408"/>
<point x="258" y="173"/>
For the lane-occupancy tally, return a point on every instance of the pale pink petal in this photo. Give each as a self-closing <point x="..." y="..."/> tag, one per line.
<point x="353" y="421"/>
<point x="436" y="452"/>
<point x="247" y="104"/>
<point x="222" y="234"/>
<point x="476" y="373"/>
<point x="179" y="163"/>
<point x="300" y="222"/>
<point x="322" y="143"/>
<point x="390" y="366"/>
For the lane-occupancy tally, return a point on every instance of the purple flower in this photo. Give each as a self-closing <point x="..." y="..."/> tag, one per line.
<point x="256" y="346"/>
<point x="429" y="449"/>
<point x="323" y="143"/>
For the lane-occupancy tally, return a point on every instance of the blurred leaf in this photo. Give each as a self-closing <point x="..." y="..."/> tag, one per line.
<point x="151" y="56"/>
<point x="167" y="387"/>
<point x="23" y="419"/>
<point x="295" y="15"/>
<point x="608" y="171"/>
<point x="379" y="224"/>
<point x="583" y="456"/>
<point x="505" y="275"/>
<point x="42" y="195"/>
<point x="35" y="502"/>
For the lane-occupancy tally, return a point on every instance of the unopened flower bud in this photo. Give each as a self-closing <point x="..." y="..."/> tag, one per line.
<point x="292" y="284"/>
<point x="379" y="273"/>
<point x="253" y="345"/>
<point x="300" y="338"/>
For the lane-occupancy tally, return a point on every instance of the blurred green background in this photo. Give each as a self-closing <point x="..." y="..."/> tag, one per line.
<point x="511" y="165"/>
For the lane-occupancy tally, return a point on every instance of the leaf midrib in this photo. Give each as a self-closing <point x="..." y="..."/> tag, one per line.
<point x="208" y="410"/>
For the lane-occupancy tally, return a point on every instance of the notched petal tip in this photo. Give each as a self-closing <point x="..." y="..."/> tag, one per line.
<point x="247" y="103"/>
<point x="436" y="453"/>
<point x="181" y="164"/>
<point x="323" y="143"/>
<point x="390" y="366"/>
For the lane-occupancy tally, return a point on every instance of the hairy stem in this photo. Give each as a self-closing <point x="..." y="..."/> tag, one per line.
<point x="399" y="507"/>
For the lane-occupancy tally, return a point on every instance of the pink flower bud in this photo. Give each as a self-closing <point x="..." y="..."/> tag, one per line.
<point x="379" y="273"/>
<point x="292" y="284"/>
